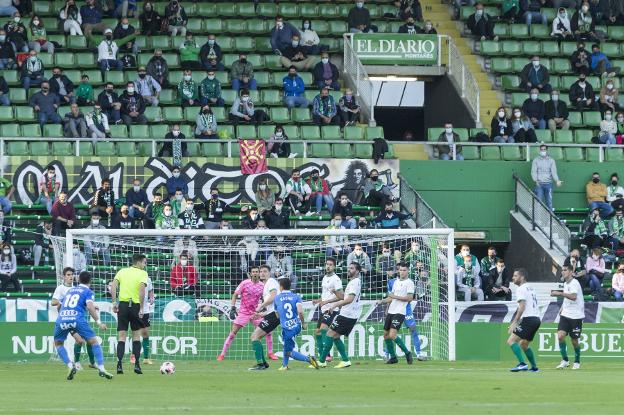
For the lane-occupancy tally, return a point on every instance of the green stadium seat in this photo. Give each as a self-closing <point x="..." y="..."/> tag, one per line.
<point x="363" y="151"/>
<point x="616" y="32"/>
<point x="213" y="26"/>
<point x="322" y="27"/>
<point x="24" y="113"/>
<point x="490" y="48"/>
<point x="353" y="133"/>
<point x="560" y="65"/>
<point x="518" y="31"/>
<point x="374" y="132"/>
<point x="531" y="48"/>
<point x="173" y="114"/>
<point x="206" y="9"/>
<point x="592" y="118"/>
<point x="118" y="131"/>
<point x="583" y="136"/>
<point x="543" y="136"/>
<point x="17" y="96"/>
<point x="273" y="62"/>
<point x="246" y="132"/>
<point x="470" y="153"/>
<point x="434" y="133"/>
<point x="116" y="77"/>
<point x="319" y="150"/>
<point x="556" y="153"/>
<point x="564" y="137"/>
<point x="64" y="60"/>
<point x="301" y="115"/>
<point x="167" y="97"/>
<point x="47" y="59"/>
<point x="53" y="130"/>
<point x="85" y="148"/>
<point x="280" y="115"/>
<point x="612" y="50"/>
<point x="513" y="153"/>
<point x="272" y="97"/>
<point x="539" y="31"/>
<point x="265" y="131"/>
<point x="62" y="148"/>
<point x="501" y="65"/>
<point x="550" y="48"/>
<point x="31" y="130"/>
<point x="614" y="154"/>
<point x="154" y="114"/>
<point x="328" y="11"/>
<point x="244" y="44"/>
<point x="258" y="26"/>
<point x="144" y="149"/>
<point x="228" y="96"/>
<point x="104" y="148"/>
<point x="159" y="131"/>
<point x="518" y="64"/>
<point x="235" y="26"/>
<point x="331" y="132"/>
<point x="338" y="27"/>
<point x="288" y="10"/>
<point x="308" y="9"/>
<point x="490" y="153"/>
<point x="592" y="154"/>
<point x="310" y="132"/>
<point x="139" y="131"/>
<point x="84" y="60"/>
<point x="573" y="154"/>
<point x="462" y="133"/>
<point x="161" y="42"/>
<point x="194" y="25"/>
<point x="267" y="10"/>
<point x="126" y="147"/>
<point x="226" y="131"/>
<point x="342" y="150"/>
<point x="219" y="112"/>
<point x="576" y="119"/>
<point x="17" y="148"/>
<point x="10" y="130"/>
<point x="292" y="131"/>
<point x="510" y="82"/>
<point x="501" y="30"/>
<point x="212" y="149"/>
<point x="192" y="148"/>
<point x="6" y="114"/>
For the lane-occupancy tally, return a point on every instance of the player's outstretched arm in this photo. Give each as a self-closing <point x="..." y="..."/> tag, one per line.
<point x="348" y="300"/>
<point x="93" y="311"/>
<point x="300" y="314"/>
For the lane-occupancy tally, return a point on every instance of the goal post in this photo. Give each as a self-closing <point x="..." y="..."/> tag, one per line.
<point x="190" y="320"/>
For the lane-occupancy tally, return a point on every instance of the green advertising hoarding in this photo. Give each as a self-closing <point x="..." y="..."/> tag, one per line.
<point x="396" y="49"/>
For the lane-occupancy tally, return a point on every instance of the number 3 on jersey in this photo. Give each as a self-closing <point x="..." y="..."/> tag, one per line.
<point x="289" y="310"/>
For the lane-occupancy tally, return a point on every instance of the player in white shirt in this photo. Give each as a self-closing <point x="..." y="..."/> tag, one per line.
<point x="571" y="316"/>
<point x="268" y="323"/>
<point x="57" y="300"/>
<point x="401" y="295"/>
<point x="148" y="305"/>
<point x="331" y="292"/>
<point x="350" y="309"/>
<point x="525" y="323"/>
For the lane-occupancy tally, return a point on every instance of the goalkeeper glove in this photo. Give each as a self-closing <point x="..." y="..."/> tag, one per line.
<point x="233" y="313"/>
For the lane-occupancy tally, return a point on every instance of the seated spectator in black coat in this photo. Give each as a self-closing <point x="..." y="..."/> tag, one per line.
<point x="582" y="95"/>
<point x="535" y="75"/>
<point x="496" y="287"/>
<point x="481" y="24"/>
<point x="556" y="113"/>
<point x="326" y="73"/>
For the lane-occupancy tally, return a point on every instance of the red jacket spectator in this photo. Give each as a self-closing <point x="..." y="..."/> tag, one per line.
<point x="182" y="276"/>
<point x="65" y="211"/>
<point x="319" y="185"/>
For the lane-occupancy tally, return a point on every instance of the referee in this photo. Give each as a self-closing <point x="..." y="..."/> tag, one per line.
<point x="132" y="282"/>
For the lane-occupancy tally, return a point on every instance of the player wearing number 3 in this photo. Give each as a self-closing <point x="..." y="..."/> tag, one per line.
<point x="525" y="323"/>
<point x="72" y="317"/>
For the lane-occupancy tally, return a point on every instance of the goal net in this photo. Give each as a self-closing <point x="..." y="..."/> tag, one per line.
<point x="190" y="314"/>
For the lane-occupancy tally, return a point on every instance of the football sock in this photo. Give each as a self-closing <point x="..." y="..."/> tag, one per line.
<point x="390" y="346"/>
<point x="515" y="348"/>
<point x="77" y="351"/>
<point x="227" y="343"/>
<point x="269" y="343"/>
<point x="563" y="349"/>
<point x="328" y="342"/>
<point x="121" y="349"/>
<point x="340" y="346"/>
<point x="90" y="353"/>
<point x="399" y="342"/>
<point x="146" y="347"/>
<point x="320" y="341"/>
<point x="529" y="354"/>
<point x="416" y="341"/>
<point x="257" y="348"/>
<point x="62" y="352"/>
<point x="577" y="355"/>
<point x="285" y="359"/>
<point x="136" y="350"/>
<point x="300" y="357"/>
<point x="97" y="352"/>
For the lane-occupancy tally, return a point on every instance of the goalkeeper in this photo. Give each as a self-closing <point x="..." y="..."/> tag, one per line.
<point x="250" y="292"/>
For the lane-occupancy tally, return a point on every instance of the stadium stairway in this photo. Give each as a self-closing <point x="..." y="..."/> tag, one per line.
<point x="441" y="15"/>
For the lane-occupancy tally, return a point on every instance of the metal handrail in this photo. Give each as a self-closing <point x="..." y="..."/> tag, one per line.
<point x="358" y="77"/>
<point x="464" y="80"/>
<point x="536" y="205"/>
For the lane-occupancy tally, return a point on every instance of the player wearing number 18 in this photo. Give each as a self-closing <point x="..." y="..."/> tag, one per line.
<point x="525" y="323"/>
<point x="73" y="318"/>
<point x="132" y="283"/>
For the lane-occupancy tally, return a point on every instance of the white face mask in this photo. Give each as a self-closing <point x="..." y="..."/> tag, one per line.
<point x="124" y="26"/>
<point x="295" y="43"/>
<point x="448" y="130"/>
<point x="136" y="188"/>
<point x="359" y="4"/>
<point x="517" y="114"/>
<point x="167" y="213"/>
<point x="555" y="98"/>
<point x="183" y="262"/>
<point x="325" y="60"/>
<point x="536" y="63"/>
<point x="175" y="133"/>
<point x="306" y="26"/>
<point x="95" y="222"/>
<point x="187" y="77"/>
<point x="543" y="153"/>
<point x="16" y="19"/>
<point x="501" y="114"/>
<point x="609" y="86"/>
<point x="36" y="22"/>
<point x="211" y="77"/>
<point x="428" y="26"/>
<point x="500" y="269"/>
<point x="262" y="186"/>
<point x="386" y="254"/>
<point x="534" y="97"/>
<point x="279" y="25"/>
<point x="620" y="119"/>
<point x="608" y="117"/>
<point x="279" y="134"/>
<point x="176" y="175"/>
<point x="245" y="99"/>
<point x="189" y="207"/>
<point x="6" y="251"/>
<point x="278" y="208"/>
<point x="179" y="197"/>
<point x="131" y="90"/>
<point x="585" y="9"/>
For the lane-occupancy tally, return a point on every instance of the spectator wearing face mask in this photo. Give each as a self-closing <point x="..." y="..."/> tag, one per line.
<point x="210" y="91"/>
<point x="543" y="173"/>
<point x="158" y="68"/>
<point x="132" y="107"/>
<point x="535" y="109"/>
<point x="74" y="124"/>
<point x="617" y="282"/>
<point x="110" y="104"/>
<point x="582" y="95"/>
<point x="278" y="217"/>
<point x="49" y="188"/>
<point x="215" y="208"/>
<point x="324" y="111"/>
<point x="376" y="193"/>
<point x="349" y="109"/>
<point x="535" y="75"/>
<point x="390" y="218"/>
<point x="580" y="60"/>
<point x="8" y="269"/>
<point x="278" y="146"/>
<point x="242" y="74"/>
<point x="609" y="98"/>
<point x="176" y="181"/>
<point x="583" y="24"/>
<point x="190" y="218"/>
<point x="7" y="53"/>
<point x="336" y="244"/>
<point x="16" y="33"/>
<point x="177" y="203"/>
<point x="32" y="72"/>
<point x="596" y="193"/>
<point x="428" y="29"/>
<point x="45" y="104"/>
<point x="532" y="11"/>
<point x="522" y="130"/>
<point x="500" y="128"/>
<point x="321" y="192"/>
<point x="189" y="53"/>
<point x="282" y="34"/>
<point x="104" y="201"/>
<point x="326" y="74"/>
<point x="595" y="230"/>
<point x="154" y="210"/>
<point x="177" y="146"/>
<point x="596" y="271"/>
<point x="123" y="220"/>
<point x="124" y="35"/>
<point x="511" y="10"/>
<point x="464" y="250"/>
<point x="619" y="138"/>
<point x="556" y="113"/>
<point x="296" y="55"/>
<point x="608" y="129"/>
<point x="188" y="91"/>
<point x="91" y="16"/>
<point x="481" y="24"/>
<point x="151" y="21"/>
<point x="265" y="197"/>
<point x="561" y="26"/>
<point x="136" y="199"/>
<point x="210" y="55"/>
<point x="184" y="277"/>
<point x="310" y="40"/>
<point x="601" y="65"/>
<point x="294" y="89"/>
<point x="107" y="54"/>
<point x="344" y="208"/>
<point x="497" y="286"/>
<point x="359" y="19"/>
<point x="468" y="282"/>
<point x="616" y="230"/>
<point x="176" y="18"/>
<point x="409" y="27"/>
<point x="385" y="264"/>
<point x="84" y="92"/>
<point x="297" y="193"/>
<point x="206" y="123"/>
<point x="37" y="35"/>
<point x="244" y="111"/>
<point x="63" y="215"/>
<point x="577" y="263"/>
<point x="251" y="220"/>
<point x="97" y="245"/>
<point x="358" y="255"/>
<point x="97" y="123"/>
<point x="147" y="87"/>
<point x="449" y="137"/>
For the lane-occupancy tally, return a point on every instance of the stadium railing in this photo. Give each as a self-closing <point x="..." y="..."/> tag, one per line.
<point x="541" y="217"/>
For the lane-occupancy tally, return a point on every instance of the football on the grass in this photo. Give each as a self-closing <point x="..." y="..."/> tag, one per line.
<point x="167" y="368"/>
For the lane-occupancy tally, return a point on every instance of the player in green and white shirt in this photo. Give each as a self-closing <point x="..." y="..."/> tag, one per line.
<point x="331" y="292"/>
<point x="571" y="317"/>
<point x="525" y="323"/>
<point x="269" y="322"/>
<point x="148" y="305"/>
<point x="343" y="323"/>
<point x="57" y="300"/>
<point x="401" y="295"/>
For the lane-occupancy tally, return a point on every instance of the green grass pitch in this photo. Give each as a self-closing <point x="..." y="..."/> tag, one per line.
<point x="369" y="387"/>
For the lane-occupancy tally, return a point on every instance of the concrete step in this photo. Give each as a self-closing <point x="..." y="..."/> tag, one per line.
<point x="410" y="151"/>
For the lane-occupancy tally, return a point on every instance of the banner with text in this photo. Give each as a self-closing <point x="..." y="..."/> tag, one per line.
<point x="396" y="49"/>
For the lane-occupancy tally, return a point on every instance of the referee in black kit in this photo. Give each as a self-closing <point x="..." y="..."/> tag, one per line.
<point x="132" y="282"/>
